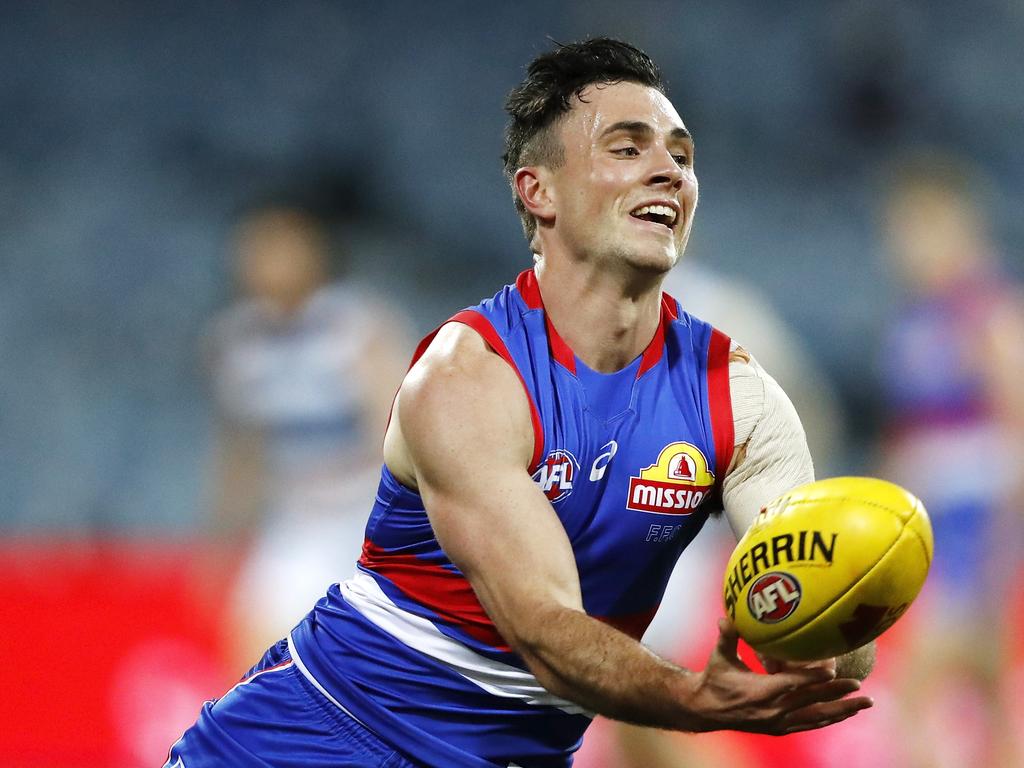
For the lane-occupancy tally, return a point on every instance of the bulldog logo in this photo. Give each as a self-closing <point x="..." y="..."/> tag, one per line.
<point x="675" y="484"/>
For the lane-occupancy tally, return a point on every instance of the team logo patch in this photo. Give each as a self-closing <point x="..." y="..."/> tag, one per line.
<point x="773" y="597"/>
<point x="675" y="484"/>
<point x="557" y="474"/>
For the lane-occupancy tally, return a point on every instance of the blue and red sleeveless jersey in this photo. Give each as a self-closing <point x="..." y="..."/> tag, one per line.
<point x="943" y="414"/>
<point x="632" y="464"/>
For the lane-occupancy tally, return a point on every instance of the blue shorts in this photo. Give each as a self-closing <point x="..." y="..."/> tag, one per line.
<point x="275" y="717"/>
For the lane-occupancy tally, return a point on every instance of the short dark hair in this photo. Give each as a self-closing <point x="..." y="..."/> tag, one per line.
<point x="552" y="80"/>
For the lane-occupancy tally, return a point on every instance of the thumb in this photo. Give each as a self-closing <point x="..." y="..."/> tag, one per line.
<point x="728" y="640"/>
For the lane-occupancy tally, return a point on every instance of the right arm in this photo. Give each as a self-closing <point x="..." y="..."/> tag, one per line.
<point x="771" y="458"/>
<point x="462" y="436"/>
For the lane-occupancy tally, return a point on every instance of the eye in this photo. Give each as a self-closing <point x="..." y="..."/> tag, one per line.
<point x="683" y="160"/>
<point x="629" y="151"/>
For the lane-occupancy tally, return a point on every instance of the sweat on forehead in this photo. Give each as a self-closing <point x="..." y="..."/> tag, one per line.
<point x="628" y="108"/>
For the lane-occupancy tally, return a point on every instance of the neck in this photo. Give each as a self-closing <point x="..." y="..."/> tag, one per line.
<point x="606" y="318"/>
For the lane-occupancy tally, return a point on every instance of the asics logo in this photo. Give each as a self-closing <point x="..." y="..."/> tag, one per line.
<point x="601" y="462"/>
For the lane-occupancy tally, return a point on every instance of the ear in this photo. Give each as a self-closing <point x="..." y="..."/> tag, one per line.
<point x="533" y="187"/>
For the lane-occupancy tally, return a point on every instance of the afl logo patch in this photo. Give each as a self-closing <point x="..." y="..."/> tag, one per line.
<point x="557" y="474"/>
<point x="773" y="597"/>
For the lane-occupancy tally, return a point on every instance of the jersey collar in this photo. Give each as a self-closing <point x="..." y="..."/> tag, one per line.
<point x="529" y="289"/>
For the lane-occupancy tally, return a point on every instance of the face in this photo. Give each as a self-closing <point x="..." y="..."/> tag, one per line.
<point x="279" y="258"/>
<point x="933" y="237"/>
<point x="626" y="192"/>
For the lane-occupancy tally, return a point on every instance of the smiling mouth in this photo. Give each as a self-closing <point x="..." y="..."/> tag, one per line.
<point x="657" y="214"/>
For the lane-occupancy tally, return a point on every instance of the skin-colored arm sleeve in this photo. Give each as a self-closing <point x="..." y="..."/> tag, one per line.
<point x="771" y="449"/>
<point x="771" y="458"/>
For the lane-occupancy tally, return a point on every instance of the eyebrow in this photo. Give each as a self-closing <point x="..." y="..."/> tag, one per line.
<point x="638" y="126"/>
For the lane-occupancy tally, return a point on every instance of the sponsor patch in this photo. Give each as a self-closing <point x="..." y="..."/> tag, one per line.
<point x="675" y="484"/>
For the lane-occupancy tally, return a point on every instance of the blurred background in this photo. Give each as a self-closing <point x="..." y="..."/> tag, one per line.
<point x="223" y="226"/>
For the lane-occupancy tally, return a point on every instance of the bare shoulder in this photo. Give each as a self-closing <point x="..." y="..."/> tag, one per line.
<point x="456" y="350"/>
<point x="458" y="372"/>
<point x="460" y="395"/>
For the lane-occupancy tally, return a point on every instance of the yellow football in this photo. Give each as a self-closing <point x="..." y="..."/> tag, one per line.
<point x="827" y="567"/>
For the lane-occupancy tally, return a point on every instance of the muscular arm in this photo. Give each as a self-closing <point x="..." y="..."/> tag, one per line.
<point x="771" y="458"/>
<point x="462" y="436"/>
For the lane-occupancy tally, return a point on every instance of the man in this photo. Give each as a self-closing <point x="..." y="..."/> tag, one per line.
<point x="951" y="367"/>
<point x="303" y="377"/>
<point x="550" y="454"/>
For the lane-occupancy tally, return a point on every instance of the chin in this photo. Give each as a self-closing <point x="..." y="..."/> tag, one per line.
<point x="637" y="256"/>
<point x="659" y="262"/>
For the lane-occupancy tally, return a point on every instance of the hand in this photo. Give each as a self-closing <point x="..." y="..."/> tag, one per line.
<point x="797" y="697"/>
<point x="856" y="664"/>
<point x="773" y="666"/>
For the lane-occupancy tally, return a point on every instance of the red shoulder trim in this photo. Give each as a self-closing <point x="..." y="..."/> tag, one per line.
<point x="652" y="355"/>
<point x="720" y="403"/>
<point x="529" y="289"/>
<point x="670" y="305"/>
<point x="483" y="326"/>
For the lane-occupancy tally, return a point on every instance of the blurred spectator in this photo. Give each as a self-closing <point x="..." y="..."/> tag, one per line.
<point x="304" y="370"/>
<point x="952" y="368"/>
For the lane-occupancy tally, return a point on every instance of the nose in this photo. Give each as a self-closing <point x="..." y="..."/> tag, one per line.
<point x="665" y="171"/>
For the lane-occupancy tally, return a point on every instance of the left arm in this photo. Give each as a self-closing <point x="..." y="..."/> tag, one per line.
<point x="771" y="458"/>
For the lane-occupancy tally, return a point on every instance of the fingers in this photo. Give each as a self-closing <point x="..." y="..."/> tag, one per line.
<point x="829" y="664"/>
<point x="808" y="695"/>
<point x="773" y="666"/>
<point x="823" y="714"/>
<point x="797" y="696"/>
<point x="800" y="677"/>
<point x="817" y="706"/>
<point x="798" y="703"/>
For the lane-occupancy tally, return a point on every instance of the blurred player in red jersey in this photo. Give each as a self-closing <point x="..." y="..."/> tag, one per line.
<point x="952" y="370"/>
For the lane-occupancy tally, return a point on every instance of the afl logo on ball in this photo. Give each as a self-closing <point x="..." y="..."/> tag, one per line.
<point x="557" y="474"/>
<point x="773" y="597"/>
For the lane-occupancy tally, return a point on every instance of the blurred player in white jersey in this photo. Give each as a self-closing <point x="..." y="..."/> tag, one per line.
<point x="303" y="369"/>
